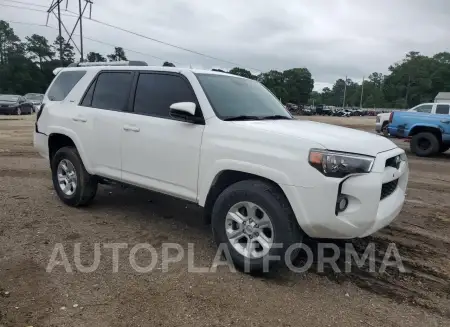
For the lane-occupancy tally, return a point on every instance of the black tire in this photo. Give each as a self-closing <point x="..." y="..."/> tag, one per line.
<point x="444" y="148"/>
<point x="424" y="144"/>
<point x="269" y="198"/>
<point x="86" y="184"/>
<point x="384" y="129"/>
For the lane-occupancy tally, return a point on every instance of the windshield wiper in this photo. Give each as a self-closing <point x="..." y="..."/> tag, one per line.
<point x="242" y="117"/>
<point x="276" y="117"/>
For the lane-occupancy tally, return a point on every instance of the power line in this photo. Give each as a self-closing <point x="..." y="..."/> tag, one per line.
<point x="165" y="43"/>
<point x="26" y="3"/>
<point x="98" y="41"/>
<point x="140" y="35"/>
<point x="32" y="9"/>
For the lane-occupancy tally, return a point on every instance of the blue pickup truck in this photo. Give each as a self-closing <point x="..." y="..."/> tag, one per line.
<point x="429" y="133"/>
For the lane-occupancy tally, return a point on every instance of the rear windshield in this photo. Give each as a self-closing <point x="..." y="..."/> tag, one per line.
<point x="34" y="96"/>
<point x="9" y="98"/>
<point x="64" y="83"/>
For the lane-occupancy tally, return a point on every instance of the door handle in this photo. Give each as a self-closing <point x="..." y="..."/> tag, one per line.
<point x="79" y="119"/>
<point x="130" y="128"/>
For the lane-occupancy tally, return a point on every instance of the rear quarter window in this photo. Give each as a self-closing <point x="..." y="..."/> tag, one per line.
<point x="63" y="84"/>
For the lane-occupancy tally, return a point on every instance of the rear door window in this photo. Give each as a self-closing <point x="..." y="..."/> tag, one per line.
<point x="112" y="90"/>
<point x="424" y="108"/>
<point x="63" y="84"/>
<point x="442" y="109"/>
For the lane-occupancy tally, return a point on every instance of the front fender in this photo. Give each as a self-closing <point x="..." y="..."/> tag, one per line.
<point x="219" y="166"/>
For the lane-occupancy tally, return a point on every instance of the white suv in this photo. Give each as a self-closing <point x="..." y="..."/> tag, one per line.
<point x="225" y="143"/>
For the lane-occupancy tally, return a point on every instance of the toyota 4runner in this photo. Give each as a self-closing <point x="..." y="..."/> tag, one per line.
<point x="224" y="142"/>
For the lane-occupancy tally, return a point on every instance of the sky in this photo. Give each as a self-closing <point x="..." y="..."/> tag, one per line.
<point x="332" y="38"/>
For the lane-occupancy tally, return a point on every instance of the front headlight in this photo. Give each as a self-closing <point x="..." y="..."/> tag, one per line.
<point x="340" y="164"/>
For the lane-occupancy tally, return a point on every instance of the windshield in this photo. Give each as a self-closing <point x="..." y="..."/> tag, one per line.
<point x="9" y="98"/>
<point x="34" y="96"/>
<point x="234" y="97"/>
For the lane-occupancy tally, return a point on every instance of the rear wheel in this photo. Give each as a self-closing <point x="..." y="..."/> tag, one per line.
<point x="73" y="184"/>
<point x="425" y="144"/>
<point x="255" y="222"/>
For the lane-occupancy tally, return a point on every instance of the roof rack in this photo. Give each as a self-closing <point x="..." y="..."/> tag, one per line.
<point x="110" y="63"/>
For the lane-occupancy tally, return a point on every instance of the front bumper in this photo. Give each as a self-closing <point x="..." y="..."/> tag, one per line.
<point x="378" y="127"/>
<point x="366" y="213"/>
<point x="7" y="110"/>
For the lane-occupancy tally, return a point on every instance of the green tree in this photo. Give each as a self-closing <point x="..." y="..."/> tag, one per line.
<point x="118" y="55"/>
<point x="68" y="54"/>
<point x="298" y="84"/>
<point x="242" y="72"/>
<point x="274" y="81"/>
<point x="95" y="57"/>
<point x="39" y="48"/>
<point x="9" y="42"/>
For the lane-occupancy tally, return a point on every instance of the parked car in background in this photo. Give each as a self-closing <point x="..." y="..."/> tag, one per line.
<point x="382" y="120"/>
<point x="429" y="133"/>
<point x="11" y="104"/>
<point x="36" y="99"/>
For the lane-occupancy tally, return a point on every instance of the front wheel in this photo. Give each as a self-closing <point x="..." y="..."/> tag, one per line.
<point x="384" y="129"/>
<point x="424" y="144"/>
<point x="256" y="223"/>
<point x="73" y="184"/>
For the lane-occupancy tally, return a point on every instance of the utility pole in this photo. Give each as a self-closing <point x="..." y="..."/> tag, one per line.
<point x="59" y="35"/>
<point x="81" y="27"/>
<point x="56" y="4"/>
<point x="362" y="92"/>
<point x="407" y="91"/>
<point x="345" y="91"/>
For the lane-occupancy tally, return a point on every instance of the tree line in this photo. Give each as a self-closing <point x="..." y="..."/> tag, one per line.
<point x="27" y="66"/>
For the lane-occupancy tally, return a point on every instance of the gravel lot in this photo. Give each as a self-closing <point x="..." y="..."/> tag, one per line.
<point x="33" y="220"/>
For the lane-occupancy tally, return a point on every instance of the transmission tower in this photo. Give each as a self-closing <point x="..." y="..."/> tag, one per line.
<point x="56" y="6"/>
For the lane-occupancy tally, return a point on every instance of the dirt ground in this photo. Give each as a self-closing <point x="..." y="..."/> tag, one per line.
<point x="33" y="220"/>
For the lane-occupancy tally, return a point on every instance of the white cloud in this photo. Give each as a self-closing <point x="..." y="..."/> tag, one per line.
<point x="332" y="38"/>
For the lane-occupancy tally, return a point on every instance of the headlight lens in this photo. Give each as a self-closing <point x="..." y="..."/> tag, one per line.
<point x="339" y="164"/>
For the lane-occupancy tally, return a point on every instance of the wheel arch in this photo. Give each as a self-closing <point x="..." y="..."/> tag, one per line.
<point x="223" y="179"/>
<point x="426" y="128"/>
<point x="60" y="138"/>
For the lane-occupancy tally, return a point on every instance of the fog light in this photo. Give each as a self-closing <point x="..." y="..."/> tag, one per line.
<point x="341" y="203"/>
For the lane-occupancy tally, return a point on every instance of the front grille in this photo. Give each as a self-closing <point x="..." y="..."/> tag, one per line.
<point x="388" y="188"/>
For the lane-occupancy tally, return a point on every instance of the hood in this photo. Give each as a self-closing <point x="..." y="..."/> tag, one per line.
<point x="331" y="137"/>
